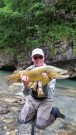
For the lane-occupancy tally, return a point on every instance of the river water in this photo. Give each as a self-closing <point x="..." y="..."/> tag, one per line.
<point x="3" y="84"/>
<point x="66" y="83"/>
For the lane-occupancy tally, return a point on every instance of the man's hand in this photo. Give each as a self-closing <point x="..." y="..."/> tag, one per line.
<point x="25" y="80"/>
<point x="45" y="78"/>
<point x="44" y="74"/>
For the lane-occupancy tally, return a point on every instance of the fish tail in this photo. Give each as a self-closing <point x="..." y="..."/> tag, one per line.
<point x="10" y="79"/>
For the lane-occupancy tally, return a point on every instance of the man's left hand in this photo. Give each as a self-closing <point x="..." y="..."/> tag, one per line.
<point x="44" y="74"/>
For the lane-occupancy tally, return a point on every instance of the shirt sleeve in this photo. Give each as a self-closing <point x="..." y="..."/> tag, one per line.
<point x="51" y="86"/>
<point x="25" y="90"/>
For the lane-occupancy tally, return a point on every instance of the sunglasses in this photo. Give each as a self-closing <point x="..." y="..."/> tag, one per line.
<point x="38" y="57"/>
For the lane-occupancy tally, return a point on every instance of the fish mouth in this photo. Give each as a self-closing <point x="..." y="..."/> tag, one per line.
<point x="64" y="75"/>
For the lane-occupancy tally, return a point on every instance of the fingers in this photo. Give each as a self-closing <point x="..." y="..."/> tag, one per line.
<point x="44" y="74"/>
<point x="24" y="79"/>
<point x="21" y="75"/>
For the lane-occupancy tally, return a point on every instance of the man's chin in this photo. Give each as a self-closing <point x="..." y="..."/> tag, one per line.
<point x="38" y="65"/>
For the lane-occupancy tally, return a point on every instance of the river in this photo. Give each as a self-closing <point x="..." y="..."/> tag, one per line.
<point x="66" y="83"/>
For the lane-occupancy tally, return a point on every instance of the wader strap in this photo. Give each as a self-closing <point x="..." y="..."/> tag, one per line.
<point x="33" y="127"/>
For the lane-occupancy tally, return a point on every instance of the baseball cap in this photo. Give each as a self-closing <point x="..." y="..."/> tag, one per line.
<point x="37" y="51"/>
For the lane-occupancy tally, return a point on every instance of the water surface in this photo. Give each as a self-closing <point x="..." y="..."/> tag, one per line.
<point x="66" y="83"/>
<point x="3" y="84"/>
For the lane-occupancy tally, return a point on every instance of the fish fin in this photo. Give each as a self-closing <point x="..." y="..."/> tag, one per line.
<point x="10" y="79"/>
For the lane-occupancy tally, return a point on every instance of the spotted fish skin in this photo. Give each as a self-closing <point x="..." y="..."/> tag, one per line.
<point x="36" y="74"/>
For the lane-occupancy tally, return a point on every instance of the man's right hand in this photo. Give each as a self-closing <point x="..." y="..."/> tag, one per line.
<point x="25" y="80"/>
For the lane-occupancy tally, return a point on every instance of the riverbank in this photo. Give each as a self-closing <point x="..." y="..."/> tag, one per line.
<point x="12" y="100"/>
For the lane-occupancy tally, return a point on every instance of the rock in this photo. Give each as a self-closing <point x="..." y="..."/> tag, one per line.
<point x="10" y="126"/>
<point x="66" y="133"/>
<point x="8" y="120"/>
<point x="12" y="132"/>
<point x="15" y="109"/>
<point x="3" y="109"/>
<point x="13" y="100"/>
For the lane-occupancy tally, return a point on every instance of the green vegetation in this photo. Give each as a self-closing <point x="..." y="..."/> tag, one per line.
<point x="26" y="24"/>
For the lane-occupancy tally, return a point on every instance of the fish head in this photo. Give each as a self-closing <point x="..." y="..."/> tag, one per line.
<point x="58" y="73"/>
<point x="64" y="74"/>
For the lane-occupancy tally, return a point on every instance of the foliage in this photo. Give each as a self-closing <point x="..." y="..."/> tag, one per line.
<point x="28" y="24"/>
<point x="69" y="5"/>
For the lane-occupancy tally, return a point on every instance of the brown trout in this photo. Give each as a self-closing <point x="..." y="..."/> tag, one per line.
<point x="36" y="74"/>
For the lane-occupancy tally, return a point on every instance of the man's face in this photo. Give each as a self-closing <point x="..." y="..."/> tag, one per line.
<point x="38" y="60"/>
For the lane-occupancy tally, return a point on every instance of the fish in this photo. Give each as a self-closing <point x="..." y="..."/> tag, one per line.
<point x="36" y="80"/>
<point x="35" y="74"/>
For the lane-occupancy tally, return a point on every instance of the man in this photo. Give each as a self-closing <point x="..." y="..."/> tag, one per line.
<point x="41" y="107"/>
